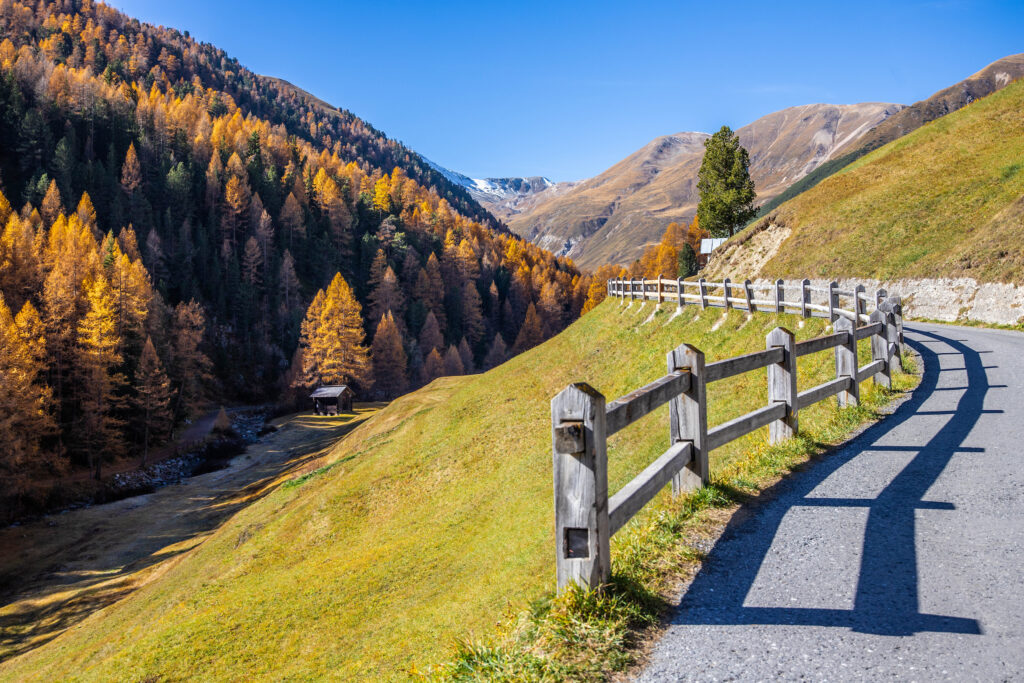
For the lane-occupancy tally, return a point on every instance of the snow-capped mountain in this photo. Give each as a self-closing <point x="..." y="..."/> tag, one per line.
<point x="504" y="197"/>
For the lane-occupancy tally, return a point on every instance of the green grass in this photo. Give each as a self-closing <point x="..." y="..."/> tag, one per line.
<point x="946" y="200"/>
<point x="431" y="523"/>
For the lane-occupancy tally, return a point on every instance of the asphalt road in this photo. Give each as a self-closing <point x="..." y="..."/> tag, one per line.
<point x="899" y="557"/>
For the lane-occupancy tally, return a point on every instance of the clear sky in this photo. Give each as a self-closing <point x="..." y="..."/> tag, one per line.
<point x="566" y="89"/>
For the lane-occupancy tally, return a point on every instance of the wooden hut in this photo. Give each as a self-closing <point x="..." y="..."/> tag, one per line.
<point x="331" y="400"/>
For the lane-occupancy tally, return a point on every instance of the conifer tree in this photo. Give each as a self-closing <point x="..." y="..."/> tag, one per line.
<point x="288" y="280"/>
<point x="453" y="363"/>
<point x="388" y="297"/>
<point x="152" y="398"/>
<point x="52" y="205"/>
<point x="131" y="172"/>
<point x="433" y="367"/>
<point x="726" y="190"/>
<point x="190" y="367"/>
<point x="337" y="345"/>
<point x="430" y="336"/>
<point x="531" y="333"/>
<point x="98" y="358"/>
<point x="389" y="359"/>
<point x="468" y="365"/>
<point x="472" y="317"/>
<point x="498" y="353"/>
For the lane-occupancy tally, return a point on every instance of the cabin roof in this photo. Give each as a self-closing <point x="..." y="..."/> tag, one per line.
<point x="330" y="391"/>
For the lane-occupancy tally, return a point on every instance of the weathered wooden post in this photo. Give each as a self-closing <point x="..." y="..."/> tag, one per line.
<point x="728" y="293"/>
<point x="880" y="295"/>
<point x="859" y="304"/>
<point x="782" y="385"/>
<point x="805" y="297"/>
<point x="748" y="292"/>
<point x="702" y="286"/>
<point x="833" y="300"/>
<point x="780" y="296"/>
<point x="679" y="292"/>
<point x="892" y="331"/>
<point x="632" y="289"/>
<point x="661" y="288"/>
<point x="688" y="418"/>
<point x="880" y="349"/>
<point x="846" y="363"/>
<point x="581" y="487"/>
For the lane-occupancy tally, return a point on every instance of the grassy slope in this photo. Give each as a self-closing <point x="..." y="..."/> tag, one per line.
<point x="945" y="200"/>
<point x="430" y="521"/>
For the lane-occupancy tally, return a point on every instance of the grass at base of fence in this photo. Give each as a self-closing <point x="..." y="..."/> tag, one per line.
<point x="591" y="634"/>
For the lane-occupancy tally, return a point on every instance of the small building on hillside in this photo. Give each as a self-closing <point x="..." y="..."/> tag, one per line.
<point x="331" y="400"/>
<point x="707" y="246"/>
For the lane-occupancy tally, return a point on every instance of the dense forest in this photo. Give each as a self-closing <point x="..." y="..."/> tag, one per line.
<point x="177" y="229"/>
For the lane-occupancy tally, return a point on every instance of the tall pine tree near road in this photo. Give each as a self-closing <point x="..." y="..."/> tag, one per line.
<point x="726" y="190"/>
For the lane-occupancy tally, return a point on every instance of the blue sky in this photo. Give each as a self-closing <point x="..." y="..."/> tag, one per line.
<point x="566" y="89"/>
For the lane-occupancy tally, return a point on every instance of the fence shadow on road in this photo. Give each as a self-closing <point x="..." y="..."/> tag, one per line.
<point x="886" y="598"/>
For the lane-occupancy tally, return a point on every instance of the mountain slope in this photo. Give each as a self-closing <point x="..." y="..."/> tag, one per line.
<point x="611" y="217"/>
<point x="423" y="526"/>
<point x="946" y="200"/>
<point x="996" y="75"/>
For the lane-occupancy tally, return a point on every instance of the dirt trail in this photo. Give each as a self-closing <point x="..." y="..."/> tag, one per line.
<point x="58" y="570"/>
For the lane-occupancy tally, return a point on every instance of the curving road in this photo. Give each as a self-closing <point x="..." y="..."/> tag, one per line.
<point x="900" y="556"/>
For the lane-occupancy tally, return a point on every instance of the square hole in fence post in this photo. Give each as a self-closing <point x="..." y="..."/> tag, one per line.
<point x="577" y="542"/>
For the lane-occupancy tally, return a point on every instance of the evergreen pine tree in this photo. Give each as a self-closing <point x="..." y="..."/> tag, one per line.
<point x="726" y="190"/>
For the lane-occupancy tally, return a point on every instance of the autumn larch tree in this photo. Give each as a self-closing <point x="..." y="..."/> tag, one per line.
<point x="531" y="333"/>
<point x="333" y="338"/>
<point x="389" y="359"/>
<point x="497" y="354"/>
<point x="152" y="398"/>
<point x="99" y="381"/>
<point x="453" y="363"/>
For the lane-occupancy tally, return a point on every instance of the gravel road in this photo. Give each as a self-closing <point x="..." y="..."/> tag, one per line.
<point x="899" y="557"/>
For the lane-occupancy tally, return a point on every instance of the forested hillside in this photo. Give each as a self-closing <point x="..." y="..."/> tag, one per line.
<point x="169" y="217"/>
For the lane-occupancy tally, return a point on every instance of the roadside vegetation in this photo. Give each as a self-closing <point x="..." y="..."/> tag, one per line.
<point x="430" y="524"/>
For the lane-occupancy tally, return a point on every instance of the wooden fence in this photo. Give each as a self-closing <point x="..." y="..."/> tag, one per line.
<point x="586" y="517"/>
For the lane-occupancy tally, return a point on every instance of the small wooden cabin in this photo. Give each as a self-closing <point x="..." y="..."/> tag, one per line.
<point x="331" y="400"/>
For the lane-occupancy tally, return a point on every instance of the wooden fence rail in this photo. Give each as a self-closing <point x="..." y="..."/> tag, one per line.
<point x="586" y="516"/>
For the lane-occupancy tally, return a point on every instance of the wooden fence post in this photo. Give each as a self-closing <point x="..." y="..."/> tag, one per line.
<point x="725" y="288"/>
<point x="702" y="286"/>
<point x="892" y="329"/>
<point x="688" y="418"/>
<point x="880" y="296"/>
<point x="833" y="300"/>
<point x="782" y="385"/>
<point x="897" y="310"/>
<point x="880" y="349"/>
<point x="661" y="288"/>
<point x="859" y="305"/>
<point x="632" y="289"/>
<point x="581" y="487"/>
<point x="780" y="296"/>
<point x="805" y="297"/>
<point x="679" y="292"/>
<point x="748" y="292"/>
<point x="846" y="363"/>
